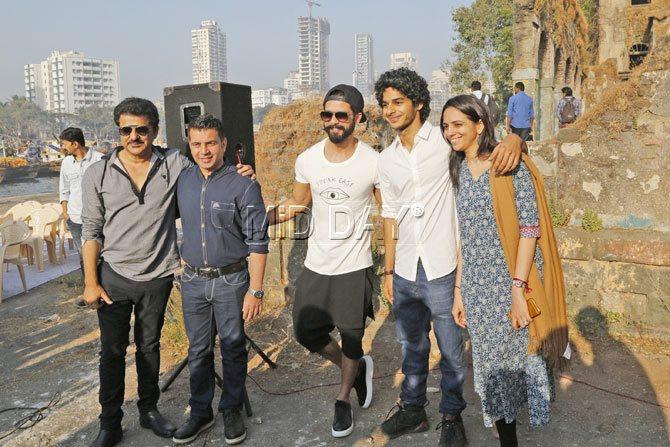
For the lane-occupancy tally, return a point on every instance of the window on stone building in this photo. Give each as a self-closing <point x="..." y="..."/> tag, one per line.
<point x="637" y="54"/>
<point x="640" y="2"/>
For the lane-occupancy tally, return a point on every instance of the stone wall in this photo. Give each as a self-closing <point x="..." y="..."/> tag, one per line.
<point x="615" y="164"/>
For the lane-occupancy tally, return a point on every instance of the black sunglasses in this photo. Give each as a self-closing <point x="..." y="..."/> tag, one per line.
<point x="342" y="117"/>
<point x="142" y="131"/>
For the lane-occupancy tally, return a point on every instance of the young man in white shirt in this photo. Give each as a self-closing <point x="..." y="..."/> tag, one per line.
<point x="78" y="159"/>
<point x="338" y="175"/>
<point x="421" y="246"/>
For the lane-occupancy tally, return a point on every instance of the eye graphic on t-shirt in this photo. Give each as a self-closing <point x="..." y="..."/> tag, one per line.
<point x="334" y="196"/>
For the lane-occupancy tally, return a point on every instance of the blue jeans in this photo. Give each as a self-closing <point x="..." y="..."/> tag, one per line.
<point x="214" y="306"/>
<point x="415" y="305"/>
<point x="75" y="231"/>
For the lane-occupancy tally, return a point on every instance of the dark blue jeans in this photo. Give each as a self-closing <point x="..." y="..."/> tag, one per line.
<point x="214" y="306"/>
<point x="415" y="305"/>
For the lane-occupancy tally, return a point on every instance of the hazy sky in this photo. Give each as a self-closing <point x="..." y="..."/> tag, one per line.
<point x="151" y="38"/>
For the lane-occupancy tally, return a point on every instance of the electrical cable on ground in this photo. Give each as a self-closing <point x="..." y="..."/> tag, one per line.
<point x="384" y="376"/>
<point x="32" y="418"/>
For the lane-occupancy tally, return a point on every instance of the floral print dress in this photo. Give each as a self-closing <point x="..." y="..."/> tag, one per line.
<point x="506" y="377"/>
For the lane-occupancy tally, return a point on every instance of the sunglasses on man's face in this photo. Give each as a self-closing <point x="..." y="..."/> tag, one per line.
<point x="342" y="117"/>
<point x="142" y="131"/>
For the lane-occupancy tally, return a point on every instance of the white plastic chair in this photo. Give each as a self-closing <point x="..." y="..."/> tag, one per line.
<point x="60" y="227"/>
<point x="12" y="235"/>
<point x="43" y="220"/>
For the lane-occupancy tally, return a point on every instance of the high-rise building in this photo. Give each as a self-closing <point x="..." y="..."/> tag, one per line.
<point x="403" y="60"/>
<point x="208" y="53"/>
<point x="364" y="70"/>
<point x="313" y="53"/>
<point x="292" y="82"/>
<point x="439" y="88"/>
<point x="67" y="81"/>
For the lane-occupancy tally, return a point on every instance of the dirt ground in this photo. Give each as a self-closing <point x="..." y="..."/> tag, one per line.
<point x="616" y="394"/>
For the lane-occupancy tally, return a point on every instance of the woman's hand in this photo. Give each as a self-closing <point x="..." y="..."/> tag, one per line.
<point x="388" y="287"/>
<point x="520" y="316"/>
<point x="458" y="310"/>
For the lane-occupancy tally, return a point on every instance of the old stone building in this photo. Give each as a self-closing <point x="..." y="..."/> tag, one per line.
<point x="550" y="41"/>
<point x="629" y="29"/>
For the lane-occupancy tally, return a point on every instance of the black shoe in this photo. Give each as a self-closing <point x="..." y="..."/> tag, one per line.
<point x="157" y="423"/>
<point x="408" y="419"/>
<point x="363" y="382"/>
<point x="233" y="426"/>
<point x="191" y="429"/>
<point x="453" y="432"/>
<point x="108" y="438"/>
<point x="343" y="422"/>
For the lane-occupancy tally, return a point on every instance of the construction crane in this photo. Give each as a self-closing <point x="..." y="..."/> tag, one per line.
<point x="310" y="4"/>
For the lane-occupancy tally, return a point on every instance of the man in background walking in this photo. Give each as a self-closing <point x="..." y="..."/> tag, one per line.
<point x="568" y="109"/>
<point x="520" y="114"/>
<point x="78" y="159"/>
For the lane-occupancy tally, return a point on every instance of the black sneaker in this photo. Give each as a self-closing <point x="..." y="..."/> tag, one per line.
<point x="191" y="429"/>
<point x="343" y="422"/>
<point x="233" y="426"/>
<point x="363" y="382"/>
<point x="408" y="419"/>
<point x="453" y="432"/>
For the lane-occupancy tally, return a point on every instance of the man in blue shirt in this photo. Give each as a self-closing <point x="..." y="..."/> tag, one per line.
<point x="224" y="222"/>
<point x="520" y="115"/>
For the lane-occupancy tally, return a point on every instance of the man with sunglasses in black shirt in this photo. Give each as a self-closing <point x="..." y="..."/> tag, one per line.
<point x="130" y="255"/>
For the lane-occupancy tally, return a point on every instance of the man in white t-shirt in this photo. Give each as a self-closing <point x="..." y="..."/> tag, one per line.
<point x="338" y="175"/>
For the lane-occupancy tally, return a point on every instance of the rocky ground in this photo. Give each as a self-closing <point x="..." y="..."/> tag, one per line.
<point x="616" y="394"/>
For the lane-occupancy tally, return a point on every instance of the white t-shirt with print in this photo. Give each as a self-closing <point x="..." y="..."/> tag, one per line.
<point x="340" y="226"/>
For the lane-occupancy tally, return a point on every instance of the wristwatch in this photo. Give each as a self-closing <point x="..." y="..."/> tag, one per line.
<point x="256" y="293"/>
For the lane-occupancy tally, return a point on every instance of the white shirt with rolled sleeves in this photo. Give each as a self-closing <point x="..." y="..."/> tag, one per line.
<point x="417" y="191"/>
<point x="339" y="240"/>
<point x="69" y="185"/>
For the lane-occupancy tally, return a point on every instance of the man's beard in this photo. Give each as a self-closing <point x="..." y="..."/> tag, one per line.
<point x="340" y="138"/>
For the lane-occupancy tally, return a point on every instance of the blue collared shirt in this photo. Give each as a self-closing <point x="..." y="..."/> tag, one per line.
<point x="223" y="217"/>
<point x="520" y="109"/>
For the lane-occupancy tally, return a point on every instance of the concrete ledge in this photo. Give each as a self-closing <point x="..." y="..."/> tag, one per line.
<point x="630" y="246"/>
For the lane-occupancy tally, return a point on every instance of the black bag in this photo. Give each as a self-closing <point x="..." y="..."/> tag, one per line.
<point x="490" y="101"/>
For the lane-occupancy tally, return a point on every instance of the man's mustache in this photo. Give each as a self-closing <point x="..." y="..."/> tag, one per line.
<point x="334" y="126"/>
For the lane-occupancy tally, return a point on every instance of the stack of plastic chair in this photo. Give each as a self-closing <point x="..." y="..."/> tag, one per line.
<point x="12" y="235"/>
<point x="43" y="222"/>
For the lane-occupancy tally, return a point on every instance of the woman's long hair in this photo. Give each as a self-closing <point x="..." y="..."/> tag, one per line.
<point x="476" y="110"/>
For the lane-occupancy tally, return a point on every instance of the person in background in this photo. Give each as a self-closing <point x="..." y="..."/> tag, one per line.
<point x="520" y="114"/>
<point x="568" y="109"/>
<point x="77" y="160"/>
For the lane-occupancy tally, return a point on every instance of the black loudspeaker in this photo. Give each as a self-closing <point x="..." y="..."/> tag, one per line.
<point x="231" y="103"/>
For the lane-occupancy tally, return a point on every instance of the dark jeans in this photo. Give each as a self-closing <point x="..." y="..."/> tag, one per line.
<point x="215" y="306"/>
<point x="522" y="132"/>
<point x="148" y="300"/>
<point x="75" y="230"/>
<point x="415" y="305"/>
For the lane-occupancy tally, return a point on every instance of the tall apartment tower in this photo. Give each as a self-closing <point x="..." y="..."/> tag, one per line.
<point x="208" y="53"/>
<point x="364" y="72"/>
<point x="67" y="81"/>
<point x="313" y="54"/>
<point x="403" y="60"/>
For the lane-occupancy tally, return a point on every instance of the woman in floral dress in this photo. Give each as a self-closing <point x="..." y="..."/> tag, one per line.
<point x="506" y="377"/>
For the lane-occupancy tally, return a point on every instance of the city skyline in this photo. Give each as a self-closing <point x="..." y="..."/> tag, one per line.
<point x="157" y="53"/>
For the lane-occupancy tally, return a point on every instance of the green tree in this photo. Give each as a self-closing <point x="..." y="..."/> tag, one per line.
<point x="98" y="122"/>
<point x="484" y="45"/>
<point x="21" y="119"/>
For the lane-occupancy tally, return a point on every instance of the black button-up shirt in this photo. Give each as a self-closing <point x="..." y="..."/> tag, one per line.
<point x="223" y="217"/>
